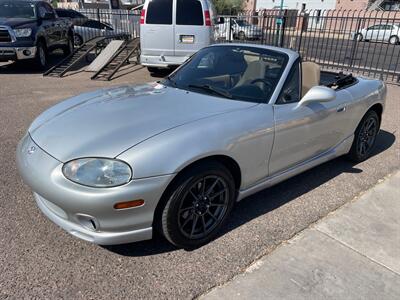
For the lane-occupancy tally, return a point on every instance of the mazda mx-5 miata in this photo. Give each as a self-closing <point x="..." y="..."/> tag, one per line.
<point x="114" y="165"/>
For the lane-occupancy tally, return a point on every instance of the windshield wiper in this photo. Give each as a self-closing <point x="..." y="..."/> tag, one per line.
<point x="209" y="88"/>
<point x="169" y="78"/>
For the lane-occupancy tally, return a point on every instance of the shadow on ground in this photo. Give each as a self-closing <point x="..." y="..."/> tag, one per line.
<point x="256" y="205"/>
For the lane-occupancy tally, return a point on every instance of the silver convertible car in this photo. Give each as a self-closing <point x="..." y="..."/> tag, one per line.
<point x="114" y="165"/>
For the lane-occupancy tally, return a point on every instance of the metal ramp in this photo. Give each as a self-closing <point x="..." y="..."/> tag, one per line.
<point x="73" y="59"/>
<point x="121" y="58"/>
<point x="105" y="56"/>
<point x="81" y="53"/>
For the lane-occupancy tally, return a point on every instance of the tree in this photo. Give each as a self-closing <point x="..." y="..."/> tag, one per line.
<point x="228" y="7"/>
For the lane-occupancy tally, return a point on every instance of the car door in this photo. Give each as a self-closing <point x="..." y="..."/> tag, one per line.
<point x="372" y="32"/>
<point x="156" y="29"/>
<point x="303" y="132"/>
<point x="47" y="25"/>
<point x="192" y="30"/>
<point x="385" y="32"/>
<point x="59" y="29"/>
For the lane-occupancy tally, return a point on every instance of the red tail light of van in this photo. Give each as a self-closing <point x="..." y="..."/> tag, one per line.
<point x="142" y="15"/>
<point x="207" y="17"/>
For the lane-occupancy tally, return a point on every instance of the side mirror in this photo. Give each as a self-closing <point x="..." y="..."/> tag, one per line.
<point x="220" y="20"/>
<point x="318" y="94"/>
<point x="48" y="16"/>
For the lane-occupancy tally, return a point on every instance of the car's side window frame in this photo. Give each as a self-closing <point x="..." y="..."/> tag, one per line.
<point x="297" y="63"/>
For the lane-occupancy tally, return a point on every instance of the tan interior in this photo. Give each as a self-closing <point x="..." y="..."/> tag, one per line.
<point x="311" y="73"/>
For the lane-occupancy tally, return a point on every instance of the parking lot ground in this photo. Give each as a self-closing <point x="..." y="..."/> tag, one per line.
<point x="351" y="254"/>
<point x="38" y="259"/>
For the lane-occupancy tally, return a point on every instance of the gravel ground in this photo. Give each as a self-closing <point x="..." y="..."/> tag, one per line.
<point x="38" y="259"/>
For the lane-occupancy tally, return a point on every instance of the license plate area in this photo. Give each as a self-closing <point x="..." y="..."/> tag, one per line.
<point x="186" y="39"/>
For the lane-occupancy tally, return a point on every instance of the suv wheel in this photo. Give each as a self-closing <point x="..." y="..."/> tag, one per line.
<point x="69" y="48"/>
<point x="41" y="56"/>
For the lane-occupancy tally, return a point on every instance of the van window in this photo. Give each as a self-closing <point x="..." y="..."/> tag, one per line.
<point x="159" y="12"/>
<point x="189" y="12"/>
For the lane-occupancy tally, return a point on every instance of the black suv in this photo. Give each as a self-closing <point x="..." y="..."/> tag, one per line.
<point x="29" y="30"/>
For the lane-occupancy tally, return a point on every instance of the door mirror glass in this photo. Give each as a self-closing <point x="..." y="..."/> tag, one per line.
<point x="318" y="94"/>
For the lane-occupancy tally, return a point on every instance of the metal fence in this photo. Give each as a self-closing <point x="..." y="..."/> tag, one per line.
<point x="106" y="22"/>
<point x="362" y="42"/>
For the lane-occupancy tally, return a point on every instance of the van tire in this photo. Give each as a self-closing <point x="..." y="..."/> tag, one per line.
<point x="153" y="69"/>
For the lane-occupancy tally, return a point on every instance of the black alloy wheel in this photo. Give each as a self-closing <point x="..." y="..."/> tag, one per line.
<point x="199" y="205"/>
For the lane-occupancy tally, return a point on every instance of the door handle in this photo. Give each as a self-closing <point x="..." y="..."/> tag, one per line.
<point x="341" y="109"/>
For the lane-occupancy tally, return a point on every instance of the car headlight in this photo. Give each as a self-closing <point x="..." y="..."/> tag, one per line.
<point x="23" y="32"/>
<point x="98" y="172"/>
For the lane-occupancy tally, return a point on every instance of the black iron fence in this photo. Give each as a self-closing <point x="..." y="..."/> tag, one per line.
<point x="105" y="22"/>
<point x="362" y="42"/>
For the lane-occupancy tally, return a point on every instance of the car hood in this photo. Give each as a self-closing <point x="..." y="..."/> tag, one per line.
<point x="16" y="22"/>
<point x="107" y="122"/>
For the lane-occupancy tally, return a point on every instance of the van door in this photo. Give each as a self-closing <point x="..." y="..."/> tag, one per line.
<point x="157" y="30"/>
<point x="192" y="27"/>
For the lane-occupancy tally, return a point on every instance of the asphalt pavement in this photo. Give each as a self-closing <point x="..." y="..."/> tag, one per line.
<point x="40" y="260"/>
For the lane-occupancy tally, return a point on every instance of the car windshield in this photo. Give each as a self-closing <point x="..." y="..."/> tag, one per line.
<point x="17" y="9"/>
<point x="233" y="72"/>
<point x="242" y="23"/>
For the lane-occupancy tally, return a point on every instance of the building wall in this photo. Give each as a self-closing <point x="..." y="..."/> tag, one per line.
<point x="297" y="4"/>
<point x="352" y="4"/>
<point x="249" y="5"/>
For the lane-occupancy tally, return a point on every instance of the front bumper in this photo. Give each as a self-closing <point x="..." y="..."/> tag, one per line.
<point x="17" y="53"/>
<point x="85" y="212"/>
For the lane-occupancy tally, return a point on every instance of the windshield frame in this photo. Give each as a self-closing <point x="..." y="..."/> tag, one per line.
<point x="26" y="4"/>
<point x="171" y="79"/>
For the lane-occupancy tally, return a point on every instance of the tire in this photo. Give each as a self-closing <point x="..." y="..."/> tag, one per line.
<point x="198" y="205"/>
<point x="241" y="36"/>
<point x="394" y="40"/>
<point x="78" y="40"/>
<point x="153" y="69"/>
<point x="40" y="61"/>
<point x="365" y="137"/>
<point x="359" y="37"/>
<point x="69" y="49"/>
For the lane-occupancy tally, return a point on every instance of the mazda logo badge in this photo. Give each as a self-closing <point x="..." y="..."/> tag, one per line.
<point x="31" y="150"/>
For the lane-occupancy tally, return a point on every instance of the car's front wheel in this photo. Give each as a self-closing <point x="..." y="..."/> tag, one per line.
<point x="394" y="40"/>
<point x="198" y="205"/>
<point x="365" y="137"/>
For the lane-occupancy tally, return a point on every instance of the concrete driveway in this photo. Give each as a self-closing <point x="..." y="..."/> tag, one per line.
<point x="38" y="259"/>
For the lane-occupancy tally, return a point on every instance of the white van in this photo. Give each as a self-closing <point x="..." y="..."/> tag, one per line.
<point x="172" y="30"/>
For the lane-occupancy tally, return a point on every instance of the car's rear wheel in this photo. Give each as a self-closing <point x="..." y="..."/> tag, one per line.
<point x="394" y="40"/>
<point x="198" y="205"/>
<point x="365" y="137"/>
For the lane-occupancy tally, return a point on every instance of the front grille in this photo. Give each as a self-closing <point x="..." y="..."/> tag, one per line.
<point x="5" y="36"/>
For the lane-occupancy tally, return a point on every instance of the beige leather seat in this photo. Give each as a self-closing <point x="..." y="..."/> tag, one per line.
<point x="311" y="75"/>
<point x="255" y="69"/>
